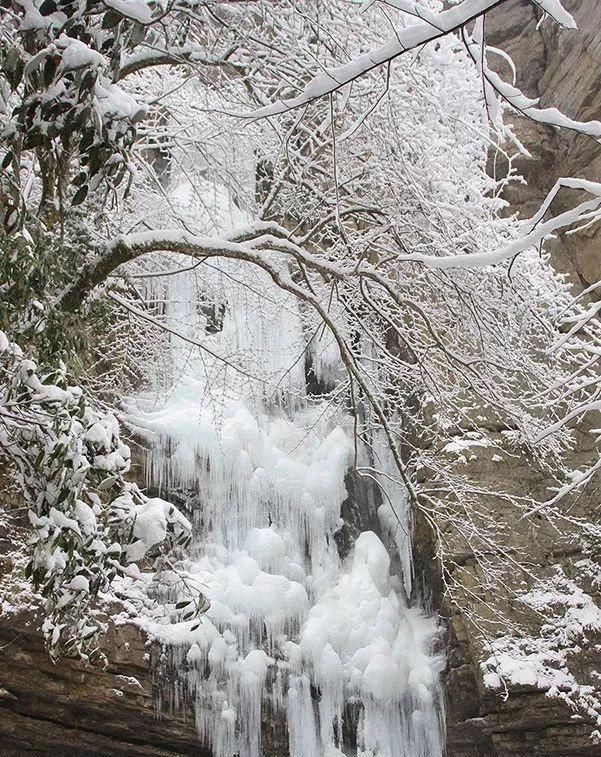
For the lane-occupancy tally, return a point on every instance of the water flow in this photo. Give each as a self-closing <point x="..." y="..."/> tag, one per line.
<point x="328" y="648"/>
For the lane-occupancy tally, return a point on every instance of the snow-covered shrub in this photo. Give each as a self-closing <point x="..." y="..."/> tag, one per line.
<point x="57" y="81"/>
<point x="98" y="343"/>
<point x="89" y="523"/>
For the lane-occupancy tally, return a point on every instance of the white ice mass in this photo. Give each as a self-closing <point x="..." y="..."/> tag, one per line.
<point x="328" y="647"/>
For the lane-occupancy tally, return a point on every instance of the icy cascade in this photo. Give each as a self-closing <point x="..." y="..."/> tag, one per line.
<point x="293" y="634"/>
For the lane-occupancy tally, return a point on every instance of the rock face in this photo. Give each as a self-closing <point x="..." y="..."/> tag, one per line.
<point x="519" y="718"/>
<point x="74" y="710"/>
<point x="563" y="68"/>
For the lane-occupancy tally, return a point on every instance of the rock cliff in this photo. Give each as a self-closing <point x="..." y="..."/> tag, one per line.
<point x="561" y="66"/>
<point x="520" y="719"/>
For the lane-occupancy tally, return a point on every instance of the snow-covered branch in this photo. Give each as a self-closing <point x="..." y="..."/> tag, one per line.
<point x="244" y="245"/>
<point x="410" y="38"/>
<point x="535" y="230"/>
<point x="174" y="56"/>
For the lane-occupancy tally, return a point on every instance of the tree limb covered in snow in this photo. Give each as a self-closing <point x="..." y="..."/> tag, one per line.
<point x="245" y="243"/>
<point x="174" y="56"/>
<point x="410" y="38"/>
<point x="433" y="26"/>
<point x="535" y="230"/>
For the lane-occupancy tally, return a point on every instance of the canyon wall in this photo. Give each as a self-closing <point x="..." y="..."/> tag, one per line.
<point x="563" y="68"/>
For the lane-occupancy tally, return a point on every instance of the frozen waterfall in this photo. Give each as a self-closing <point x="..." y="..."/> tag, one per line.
<point x="327" y="647"/>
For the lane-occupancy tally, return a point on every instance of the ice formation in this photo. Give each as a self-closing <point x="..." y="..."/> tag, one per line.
<point x="294" y="634"/>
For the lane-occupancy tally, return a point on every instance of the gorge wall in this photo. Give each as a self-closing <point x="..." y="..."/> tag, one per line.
<point x="562" y="68"/>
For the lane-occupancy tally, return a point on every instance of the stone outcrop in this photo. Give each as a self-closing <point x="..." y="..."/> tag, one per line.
<point x="563" y="68"/>
<point x="75" y="710"/>
<point x="518" y="719"/>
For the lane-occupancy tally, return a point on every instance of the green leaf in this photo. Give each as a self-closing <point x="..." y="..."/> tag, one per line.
<point x="11" y="59"/>
<point x="64" y="494"/>
<point x="86" y="140"/>
<point x="137" y="34"/>
<point x="120" y="175"/>
<point x="80" y="195"/>
<point x="111" y="19"/>
<point x="203" y="603"/>
<point x="33" y="139"/>
<point x="48" y="7"/>
<point x="82" y="117"/>
<point x="107" y="483"/>
<point x="50" y="67"/>
<point x="34" y="62"/>
<point x="88" y="81"/>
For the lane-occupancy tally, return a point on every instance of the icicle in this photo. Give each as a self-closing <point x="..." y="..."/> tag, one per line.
<point x="291" y="632"/>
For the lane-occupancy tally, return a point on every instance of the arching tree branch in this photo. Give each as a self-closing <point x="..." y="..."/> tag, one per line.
<point x="149" y="57"/>
<point x="246" y="244"/>
<point x="251" y="242"/>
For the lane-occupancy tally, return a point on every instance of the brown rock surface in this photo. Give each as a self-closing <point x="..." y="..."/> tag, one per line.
<point x="75" y="710"/>
<point x="520" y="721"/>
<point x="562" y="67"/>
